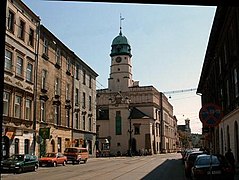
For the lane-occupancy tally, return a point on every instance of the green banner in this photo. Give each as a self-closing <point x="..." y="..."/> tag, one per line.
<point x="44" y="133"/>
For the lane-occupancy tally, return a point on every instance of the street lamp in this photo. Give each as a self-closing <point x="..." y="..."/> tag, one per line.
<point x="130" y="132"/>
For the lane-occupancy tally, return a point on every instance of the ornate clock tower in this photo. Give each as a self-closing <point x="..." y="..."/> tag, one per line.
<point x="121" y="66"/>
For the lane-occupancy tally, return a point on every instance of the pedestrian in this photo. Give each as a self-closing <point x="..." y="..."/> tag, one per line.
<point x="230" y="157"/>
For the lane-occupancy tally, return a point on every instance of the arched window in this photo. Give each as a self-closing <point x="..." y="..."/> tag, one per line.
<point x="236" y="141"/>
<point x="26" y="146"/>
<point x="228" y="137"/>
<point x="53" y="145"/>
<point x="222" y="142"/>
<point x="16" y="146"/>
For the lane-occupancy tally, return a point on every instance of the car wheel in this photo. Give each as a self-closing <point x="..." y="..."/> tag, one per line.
<point x="35" y="167"/>
<point x="85" y="160"/>
<point x="54" y="164"/>
<point x="19" y="170"/>
<point x="64" y="163"/>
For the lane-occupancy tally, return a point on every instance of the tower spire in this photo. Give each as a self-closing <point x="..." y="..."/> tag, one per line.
<point x="121" y="19"/>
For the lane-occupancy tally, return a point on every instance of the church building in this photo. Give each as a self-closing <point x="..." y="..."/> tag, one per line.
<point x="132" y="119"/>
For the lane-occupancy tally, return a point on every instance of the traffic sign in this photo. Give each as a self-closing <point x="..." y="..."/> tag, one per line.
<point x="210" y="115"/>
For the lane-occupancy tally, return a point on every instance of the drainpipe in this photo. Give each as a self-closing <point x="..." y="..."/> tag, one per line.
<point x="73" y="104"/>
<point x="35" y="89"/>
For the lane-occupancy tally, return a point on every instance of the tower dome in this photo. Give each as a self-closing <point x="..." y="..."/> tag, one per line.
<point x="120" y="46"/>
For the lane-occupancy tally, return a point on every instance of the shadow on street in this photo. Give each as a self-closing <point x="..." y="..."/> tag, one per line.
<point x="172" y="169"/>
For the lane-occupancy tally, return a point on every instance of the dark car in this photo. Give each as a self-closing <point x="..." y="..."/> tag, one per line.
<point x="188" y="164"/>
<point x="213" y="167"/>
<point x="20" y="162"/>
<point x="53" y="159"/>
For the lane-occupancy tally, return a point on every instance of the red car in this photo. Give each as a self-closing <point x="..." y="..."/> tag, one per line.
<point x="53" y="159"/>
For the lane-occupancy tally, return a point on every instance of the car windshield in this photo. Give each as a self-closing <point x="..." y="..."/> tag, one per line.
<point x="205" y="160"/>
<point x="71" y="150"/>
<point x="17" y="157"/>
<point x="50" y="155"/>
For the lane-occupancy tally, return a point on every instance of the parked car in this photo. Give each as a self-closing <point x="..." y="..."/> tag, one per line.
<point x="76" y="154"/>
<point x="18" y="163"/>
<point x="188" y="164"/>
<point x="213" y="167"/>
<point x="53" y="159"/>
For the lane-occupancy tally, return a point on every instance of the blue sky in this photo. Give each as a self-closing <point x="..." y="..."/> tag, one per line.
<point x="168" y="43"/>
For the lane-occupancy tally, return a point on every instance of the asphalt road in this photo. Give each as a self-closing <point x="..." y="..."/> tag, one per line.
<point x="162" y="166"/>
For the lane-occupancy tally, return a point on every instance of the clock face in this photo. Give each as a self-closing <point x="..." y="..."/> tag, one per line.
<point x="118" y="59"/>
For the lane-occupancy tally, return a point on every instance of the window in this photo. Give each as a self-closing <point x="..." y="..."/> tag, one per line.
<point x="6" y="99"/>
<point x="31" y="37"/>
<point x="68" y="65"/>
<point x="16" y="146"/>
<point x="77" y="96"/>
<point x="90" y="80"/>
<point x="21" y="30"/>
<point x="10" y="23"/>
<point x="57" y="86"/>
<point x="8" y="60"/>
<point x="57" y="115"/>
<point x="67" y="91"/>
<point x="58" y="144"/>
<point x="29" y="72"/>
<point x="236" y="82"/>
<point x="118" y="129"/>
<point x="18" y="103"/>
<point x="137" y="129"/>
<point x="43" y="111"/>
<point x="43" y="80"/>
<point x="26" y="146"/>
<point x="28" y="109"/>
<point x="83" y="100"/>
<point x="77" y="71"/>
<point x="83" y="122"/>
<point x="45" y="46"/>
<point x="84" y="76"/>
<point x="90" y="101"/>
<point x="19" y="68"/>
<point x="228" y="93"/>
<point x="90" y="124"/>
<point x="58" y="56"/>
<point x="77" y="120"/>
<point x="67" y="117"/>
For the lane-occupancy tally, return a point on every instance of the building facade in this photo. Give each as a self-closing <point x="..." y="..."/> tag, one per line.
<point x="66" y="92"/>
<point x="19" y="78"/>
<point x="132" y="119"/>
<point x="219" y="80"/>
<point x="49" y="92"/>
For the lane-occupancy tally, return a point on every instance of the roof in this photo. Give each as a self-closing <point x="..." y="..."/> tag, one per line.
<point x="137" y="114"/>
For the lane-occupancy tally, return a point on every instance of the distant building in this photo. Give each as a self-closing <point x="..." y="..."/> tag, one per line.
<point x="132" y="118"/>
<point x="184" y="132"/>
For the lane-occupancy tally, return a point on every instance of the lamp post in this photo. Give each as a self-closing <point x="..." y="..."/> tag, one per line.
<point x="130" y="132"/>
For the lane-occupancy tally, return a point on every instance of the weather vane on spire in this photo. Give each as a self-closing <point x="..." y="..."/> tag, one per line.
<point x="121" y="19"/>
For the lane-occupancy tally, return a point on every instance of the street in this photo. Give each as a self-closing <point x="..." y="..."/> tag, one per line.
<point x="121" y="168"/>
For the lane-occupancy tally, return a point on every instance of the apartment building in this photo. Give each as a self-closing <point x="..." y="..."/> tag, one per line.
<point x="219" y="80"/>
<point x="66" y="88"/>
<point x="49" y="92"/>
<point x="19" y="78"/>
